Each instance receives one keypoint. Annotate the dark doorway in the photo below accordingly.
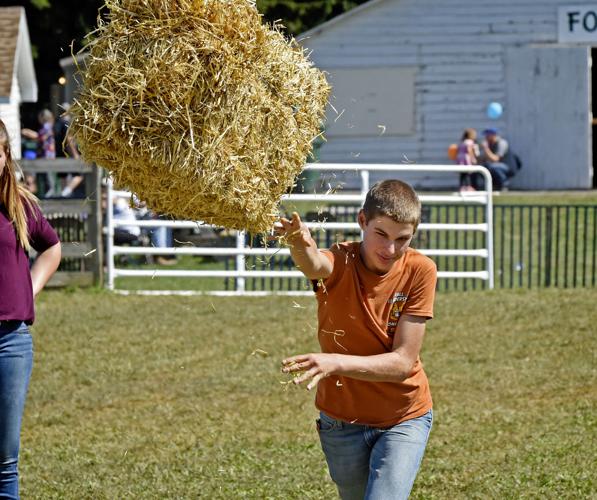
(594, 110)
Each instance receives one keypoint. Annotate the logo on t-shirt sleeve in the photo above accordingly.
(397, 304)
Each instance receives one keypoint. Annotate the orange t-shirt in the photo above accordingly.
(358, 314)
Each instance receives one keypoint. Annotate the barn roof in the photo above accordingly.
(338, 19)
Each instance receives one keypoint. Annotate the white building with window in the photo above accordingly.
(17, 75)
(409, 75)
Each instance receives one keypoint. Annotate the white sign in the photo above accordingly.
(577, 23)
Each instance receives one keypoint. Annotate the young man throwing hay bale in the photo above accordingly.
(374, 298)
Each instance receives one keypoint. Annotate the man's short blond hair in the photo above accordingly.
(394, 199)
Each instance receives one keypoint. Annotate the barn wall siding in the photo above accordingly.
(460, 49)
(10, 114)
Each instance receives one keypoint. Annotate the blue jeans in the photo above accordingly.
(372, 463)
(16, 361)
(161, 237)
(500, 174)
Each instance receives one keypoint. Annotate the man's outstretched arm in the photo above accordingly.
(303, 249)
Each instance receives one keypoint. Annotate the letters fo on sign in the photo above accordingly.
(577, 23)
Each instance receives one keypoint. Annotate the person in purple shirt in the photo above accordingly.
(22, 227)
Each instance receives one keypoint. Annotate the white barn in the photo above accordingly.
(409, 75)
(17, 74)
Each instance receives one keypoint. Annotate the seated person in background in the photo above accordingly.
(125, 235)
(159, 237)
(133, 235)
(497, 158)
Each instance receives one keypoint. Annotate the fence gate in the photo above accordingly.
(78, 222)
(257, 261)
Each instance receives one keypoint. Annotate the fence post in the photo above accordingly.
(489, 233)
(240, 261)
(93, 196)
(548, 243)
(364, 187)
(364, 183)
(110, 232)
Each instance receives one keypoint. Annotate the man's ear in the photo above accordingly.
(362, 220)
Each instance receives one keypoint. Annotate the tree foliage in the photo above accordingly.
(56, 25)
(300, 15)
(41, 4)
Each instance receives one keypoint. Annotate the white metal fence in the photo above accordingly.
(241, 251)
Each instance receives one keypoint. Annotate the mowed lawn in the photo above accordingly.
(170, 397)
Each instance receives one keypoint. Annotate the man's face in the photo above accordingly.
(384, 242)
(490, 138)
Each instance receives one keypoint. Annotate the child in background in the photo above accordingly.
(66, 147)
(46, 146)
(467, 154)
(46, 142)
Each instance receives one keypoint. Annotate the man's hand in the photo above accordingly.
(312, 367)
(294, 231)
(303, 248)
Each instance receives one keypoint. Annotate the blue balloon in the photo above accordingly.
(494, 110)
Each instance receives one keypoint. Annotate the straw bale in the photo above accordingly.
(199, 108)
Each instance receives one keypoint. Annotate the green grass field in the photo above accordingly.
(170, 397)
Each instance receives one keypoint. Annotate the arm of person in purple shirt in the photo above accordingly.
(44, 266)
